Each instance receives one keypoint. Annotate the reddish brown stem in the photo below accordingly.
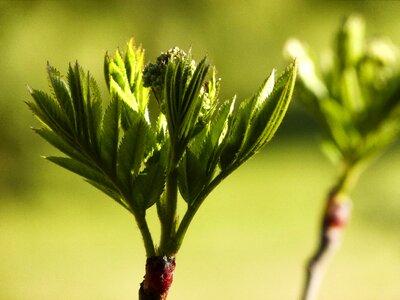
(158, 278)
(336, 216)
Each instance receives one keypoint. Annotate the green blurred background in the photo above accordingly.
(62, 239)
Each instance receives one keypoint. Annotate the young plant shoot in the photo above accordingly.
(354, 93)
(181, 150)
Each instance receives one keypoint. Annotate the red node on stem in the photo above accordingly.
(158, 278)
(337, 214)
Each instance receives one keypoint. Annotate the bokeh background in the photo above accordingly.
(62, 239)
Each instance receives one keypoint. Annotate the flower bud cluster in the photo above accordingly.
(154, 74)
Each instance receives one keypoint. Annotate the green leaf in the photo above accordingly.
(209, 98)
(172, 94)
(128, 115)
(192, 176)
(77, 95)
(389, 100)
(216, 140)
(351, 94)
(357, 98)
(258, 118)
(121, 89)
(350, 41)
(106, 68)
(256, 121)
(134, 148)
(110, 135)
(125, 77)
(61, 93)
(236, 135)
(161, 128)
(74, 124)
(340, 126)
(183, 102)
(308, 73)
(332, 151)
(149, 185)
(50, 113)
(118, 73)
(60, 114)
(199, 163)
(191, 102)
(268, 113)
(134, 64)
(93, 112)
(383, 135)
(65, 146)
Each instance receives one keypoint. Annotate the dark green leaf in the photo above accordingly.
(268, 113)
(61, 93)
(220, 126)
(135, 146)
(236, 135)
(351, 94)
(93, 112)
(77, 94)
(209, 143)
(192, 102)
(172, 95)
(50, 113)
(149, 185)
(63, 145)
(106, 67)
(110, 135)
(340, 126)
(192, 176)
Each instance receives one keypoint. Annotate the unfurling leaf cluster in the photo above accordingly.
(139, 158)
(353, 91)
